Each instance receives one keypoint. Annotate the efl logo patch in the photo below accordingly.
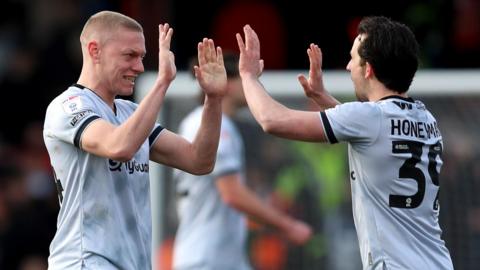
(79, 116)
(72, 104)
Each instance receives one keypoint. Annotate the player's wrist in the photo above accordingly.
(213, 98)
(248, 76)
(162, 83)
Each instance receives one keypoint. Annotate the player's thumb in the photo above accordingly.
(304, 83)
(262, 66)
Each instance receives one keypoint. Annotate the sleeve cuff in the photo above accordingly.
(328, 128)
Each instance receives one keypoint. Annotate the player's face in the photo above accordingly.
(357, 71)
(122, 61)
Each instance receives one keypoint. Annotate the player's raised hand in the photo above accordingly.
(250, 63)
(210, 72)
(313, 86)
(166, 60)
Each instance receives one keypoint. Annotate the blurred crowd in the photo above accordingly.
(40, 55)
(28, 202)
(40, 50)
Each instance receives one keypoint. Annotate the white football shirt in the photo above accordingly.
(395, 149)
(104, 220)
(211, 235)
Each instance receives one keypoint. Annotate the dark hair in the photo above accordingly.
(391, 49)
(230, 60)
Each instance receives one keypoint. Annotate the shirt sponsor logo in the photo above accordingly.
(130, 166)
(79, 116)
(72, 104)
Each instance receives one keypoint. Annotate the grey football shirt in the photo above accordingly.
(395, 149)
(104, 220)
(211, 235)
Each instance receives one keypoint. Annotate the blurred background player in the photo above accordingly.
(212, 230)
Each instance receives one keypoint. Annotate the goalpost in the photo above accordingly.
(452, 95)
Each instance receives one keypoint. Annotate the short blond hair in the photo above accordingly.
(105, 22)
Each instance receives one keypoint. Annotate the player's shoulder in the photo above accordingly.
(362, 105)
(73, 101)
(358, 109)
(69, 91)
(193, 116)
(400, 103)
(397, 105)
(191, 121)
(69, 98)
(120, 102)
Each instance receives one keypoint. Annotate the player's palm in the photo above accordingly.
(210, 72)
(250, 62)
(166, 60)
(313, 86)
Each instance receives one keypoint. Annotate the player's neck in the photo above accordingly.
(97, 88)
(381, 92)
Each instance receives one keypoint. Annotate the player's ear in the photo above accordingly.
(369, 72)
(94, 51)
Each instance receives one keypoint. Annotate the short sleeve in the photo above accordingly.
(68, 116)
(229, 153)
(352, 122)
(157, 128)
(229, 158)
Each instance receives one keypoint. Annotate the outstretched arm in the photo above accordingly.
(198, 157)
(313, 86)
(240, 197)
(122, 142)
(274, 118)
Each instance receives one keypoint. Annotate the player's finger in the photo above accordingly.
(211, 50)
(311, 58)
(252, 41)
(303, 82)
(220, 56)
(241, 44)
(161, 35)
(196, 71)
(168, 38)
(201, 53)
(317, 54)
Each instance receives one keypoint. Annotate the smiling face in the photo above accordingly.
(357, 70)
(121, 61)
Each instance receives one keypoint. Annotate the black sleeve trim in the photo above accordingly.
(78, 136)
(154, 135)
(328, 128)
